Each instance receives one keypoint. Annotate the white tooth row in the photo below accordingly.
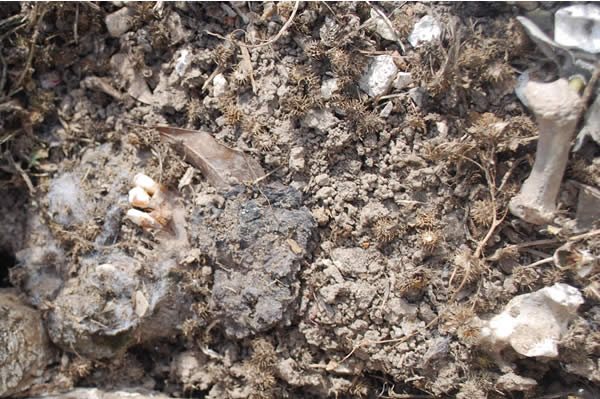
(140, 197)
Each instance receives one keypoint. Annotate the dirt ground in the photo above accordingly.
(361, 262)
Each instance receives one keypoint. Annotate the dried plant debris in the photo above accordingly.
(222, 166)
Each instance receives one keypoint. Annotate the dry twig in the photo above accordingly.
(34, 38)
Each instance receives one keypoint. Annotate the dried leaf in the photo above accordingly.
(246, 65)
(222, 166)
(186, 179)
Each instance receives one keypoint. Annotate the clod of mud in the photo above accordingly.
(258, 246)
(114, 303)
(104, 300)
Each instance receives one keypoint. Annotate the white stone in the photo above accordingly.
(403, 80)
(578, 26)
(328, 87)
(424, 31)
(297, 159)
(141, 304)
(387, 110)
(182, 62)
(378, 77)
(219, 85)
(142, 219)
(442, 127)
(325, 192)
(382, 27)
(532, 324)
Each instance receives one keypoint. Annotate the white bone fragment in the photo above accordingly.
(578, 26)
(557, 108)
(533, 324)
(138, 197)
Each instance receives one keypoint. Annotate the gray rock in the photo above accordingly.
(578, 26)
(319, 119)
(424, 31)
(119, 21)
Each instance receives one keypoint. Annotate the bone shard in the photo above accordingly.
(557, 108)
(532, 324)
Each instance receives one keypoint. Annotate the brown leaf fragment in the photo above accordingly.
(221, 165)
(246, 65)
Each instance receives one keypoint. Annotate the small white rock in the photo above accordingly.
(219, 85)
(182, 62)
(320, 119)
(297, 159)
(424, 31)
(328, 87)
(325, 192)
(322, 179)
(514, 382)
(442, 128)
(387, 110)
(378, 77)
(403, 80)
(383, 28)
(106, 268)
(141, 304)
(578, 26)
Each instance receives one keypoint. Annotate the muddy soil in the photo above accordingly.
(362, 263)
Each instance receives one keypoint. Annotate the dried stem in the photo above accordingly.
(34, 38)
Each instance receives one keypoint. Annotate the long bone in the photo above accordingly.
(557, 108)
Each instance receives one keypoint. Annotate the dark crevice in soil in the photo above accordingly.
(7, 261)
